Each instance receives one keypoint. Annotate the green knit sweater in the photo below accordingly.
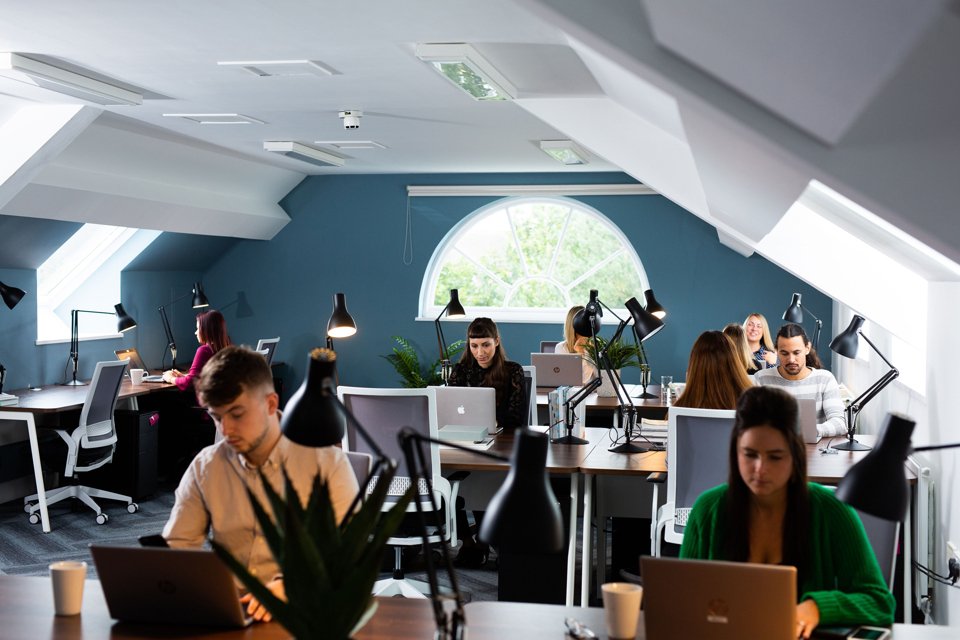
(844, 577)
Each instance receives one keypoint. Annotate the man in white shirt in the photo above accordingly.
(795, 375)
(236, 388)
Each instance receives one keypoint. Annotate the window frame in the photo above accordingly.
(427, 311)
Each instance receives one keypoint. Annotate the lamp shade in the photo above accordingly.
(312, 416)
(11, 295)
(341, 324)
(587, 321)
(199, 297)
(124, 321)
(653, 306)
(454, 308)
(848, 341)
(877, 485)
(645, 324)
(794, 312)
(524, 515)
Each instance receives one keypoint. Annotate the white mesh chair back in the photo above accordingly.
(697, 445)
(383, 413)
(96, 417)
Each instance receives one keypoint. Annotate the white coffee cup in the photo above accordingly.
(136, 375)
(621, 609)
(68, 577)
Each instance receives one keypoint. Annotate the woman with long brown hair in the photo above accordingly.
(484, 364)
(715, 376)
(769, 513)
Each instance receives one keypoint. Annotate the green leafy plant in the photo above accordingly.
(329, 568)
(620, 354)
(406, 361)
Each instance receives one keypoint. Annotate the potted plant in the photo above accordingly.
(619, 354)
(329, 568)
(406, 361)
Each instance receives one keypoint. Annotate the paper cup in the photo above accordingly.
(621, 609)
(68, 578)
(136, 376)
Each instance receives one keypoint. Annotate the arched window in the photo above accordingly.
(531, 259)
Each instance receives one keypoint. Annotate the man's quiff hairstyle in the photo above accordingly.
(231, 371)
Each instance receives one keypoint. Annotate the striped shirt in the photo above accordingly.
(821, 386)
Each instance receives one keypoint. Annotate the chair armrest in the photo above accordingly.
(458, 476)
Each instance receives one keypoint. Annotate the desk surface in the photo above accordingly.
(53, 398)
(561, 458)
(26, 612)
(594, 401)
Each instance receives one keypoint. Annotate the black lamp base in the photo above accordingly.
(75, 383)
(851, 445)
(569, 439)
(646, 396)
(633, 447)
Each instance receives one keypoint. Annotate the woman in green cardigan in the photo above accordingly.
(768, 513)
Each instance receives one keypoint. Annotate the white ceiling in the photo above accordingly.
(729, 109)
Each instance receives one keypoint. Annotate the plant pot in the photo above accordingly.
(606, 389)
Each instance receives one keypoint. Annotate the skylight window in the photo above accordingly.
(84, 273)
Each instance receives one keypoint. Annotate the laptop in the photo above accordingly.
(136, 362)
(557, 369)
(466, 413)
(169, 586)
(713, 600)
(807, 416)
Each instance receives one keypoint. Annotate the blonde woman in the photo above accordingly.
(760, 341)
(735, 332)
(575, 343)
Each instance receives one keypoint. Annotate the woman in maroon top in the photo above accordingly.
(212, 335)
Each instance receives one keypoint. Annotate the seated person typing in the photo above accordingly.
(236, 389)
(768, 513)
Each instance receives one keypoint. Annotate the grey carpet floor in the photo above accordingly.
(26, 550)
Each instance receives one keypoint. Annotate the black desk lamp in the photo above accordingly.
(653, 306)
(794, 313)
(877, 484)
(11, 295)
(124, 324)
(453, 309)
(586, 322)
(846, 344)
(314, 417)
(199, 301)
(341, 323)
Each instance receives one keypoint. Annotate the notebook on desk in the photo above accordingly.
(136, 362)
(557, 369)
(168, 586)
(713, 600)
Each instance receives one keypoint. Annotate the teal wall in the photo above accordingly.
(347, 234)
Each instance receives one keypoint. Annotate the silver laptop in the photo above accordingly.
(136, 362)
(807, 417)
(169, 586)
(467, 410)
(713, 600)
(557, 369)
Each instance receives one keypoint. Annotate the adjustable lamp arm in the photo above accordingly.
(441, 343)
(75, 337)
(171, 343)
(3, 374)
(819, 326)
(877, 386)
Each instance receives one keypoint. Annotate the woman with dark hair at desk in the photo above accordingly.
(212, 335)
(715, 376)
(484, 364)
(769, 513)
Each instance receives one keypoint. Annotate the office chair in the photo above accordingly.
(383, 412)
(695, 437)
(90, 445)
(530, 384)
(270, 346)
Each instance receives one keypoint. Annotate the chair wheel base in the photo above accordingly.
(102, 518)
(133, 507)
(34, 518)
